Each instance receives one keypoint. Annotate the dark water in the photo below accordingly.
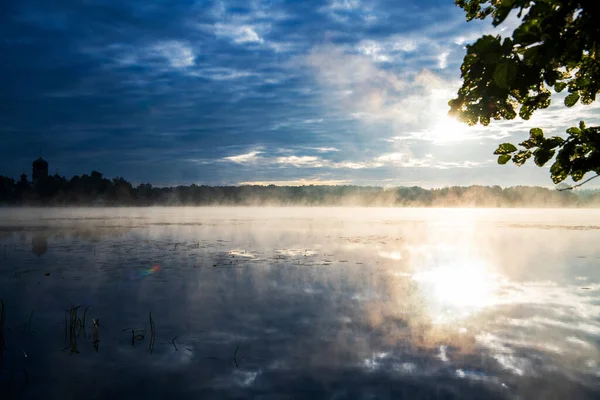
(289, 303)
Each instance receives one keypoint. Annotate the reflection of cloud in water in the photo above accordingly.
(241, 253)
(392, 255)
(305, 326)
(243, 378)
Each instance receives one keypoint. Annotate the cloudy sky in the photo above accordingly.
(230, 92)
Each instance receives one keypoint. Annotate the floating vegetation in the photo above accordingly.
(152, 334)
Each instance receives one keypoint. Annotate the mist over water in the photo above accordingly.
(335, 303)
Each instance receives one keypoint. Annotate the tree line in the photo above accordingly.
(96, 190)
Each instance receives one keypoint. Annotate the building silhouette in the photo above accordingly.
(40, 170)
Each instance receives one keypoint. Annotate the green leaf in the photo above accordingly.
(487, 48)
(560, 86)
(577, 175)
(528, 144)
(503, 159)
(542, 155)
(505, 148)
(522, 156)
(505, 73)
(581, 125)
(553, 142)
(574, 131)
(558, 172)
(536, 134)
(526, 111)
(571, 99)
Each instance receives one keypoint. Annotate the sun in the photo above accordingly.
(448, 130)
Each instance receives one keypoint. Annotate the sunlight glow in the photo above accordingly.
(458, 289)
(448, 130)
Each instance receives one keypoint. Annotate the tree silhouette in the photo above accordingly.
(555, 47)
(95, 190)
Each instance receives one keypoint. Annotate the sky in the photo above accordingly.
(283, 92)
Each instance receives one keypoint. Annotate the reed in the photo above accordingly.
(73, 328)
(95, 336)
(137, 335)
(81, 323)
(152, 334)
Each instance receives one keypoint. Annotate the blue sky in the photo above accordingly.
(230, 92)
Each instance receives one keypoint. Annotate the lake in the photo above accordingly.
(300, 303)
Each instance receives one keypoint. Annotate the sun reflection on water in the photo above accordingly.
(458, 289)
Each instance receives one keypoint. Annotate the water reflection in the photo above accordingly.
(39, 245)
(458, 289)
(309, 306)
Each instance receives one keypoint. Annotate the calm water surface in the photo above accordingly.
(294, 303)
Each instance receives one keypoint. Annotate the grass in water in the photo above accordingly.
(95, 337)
(82, 323)
(152, 334)
(74, 329)
(31, 332)
(137, 335)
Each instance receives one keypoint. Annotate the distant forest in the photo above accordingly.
(95, 190)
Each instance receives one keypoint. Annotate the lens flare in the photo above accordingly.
(154, 269)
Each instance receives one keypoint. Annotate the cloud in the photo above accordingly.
(397, 159)
(177, 53)
(348, 72)
(404, 102)
(324, 149)
(299, 182)
(222, 73)
(240, 34)
(244, 158)
(346, 11)
(302, 161)
(355, 89)
(443, 59)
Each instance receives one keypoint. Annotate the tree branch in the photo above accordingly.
(578, 185)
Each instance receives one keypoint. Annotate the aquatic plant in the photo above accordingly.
(152, 334)
(72, 326)
(82, 323)
(136, 335)
(95, 337)
(29, 323)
